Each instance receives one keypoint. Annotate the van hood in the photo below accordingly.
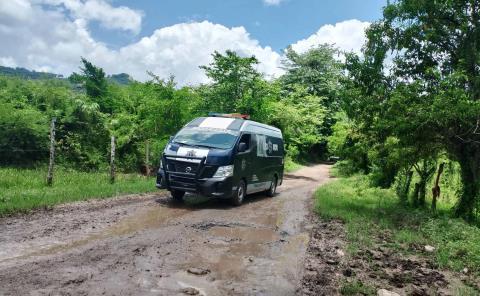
(213, 156)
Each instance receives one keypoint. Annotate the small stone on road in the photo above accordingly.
(384, 292)
(198, 271)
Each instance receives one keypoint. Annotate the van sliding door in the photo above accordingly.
(245, 162)
(262, 164)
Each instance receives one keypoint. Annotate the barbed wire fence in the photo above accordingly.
(53, 151)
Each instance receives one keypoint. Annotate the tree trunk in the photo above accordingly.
(415, 195)
(403, 193)
(408, 183)
(436, 188)
(422, 193)
(470, 174)
(425, 172)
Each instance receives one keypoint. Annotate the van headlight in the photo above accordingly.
(224, 171)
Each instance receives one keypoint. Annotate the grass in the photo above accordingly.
(371, 214)
(356, 288)
(291, 166)
(22, 190)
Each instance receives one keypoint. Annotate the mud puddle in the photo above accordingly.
(144, 219)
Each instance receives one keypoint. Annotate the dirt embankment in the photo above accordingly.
(330, 270)
(150, 245)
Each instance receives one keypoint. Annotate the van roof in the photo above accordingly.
(236, 125)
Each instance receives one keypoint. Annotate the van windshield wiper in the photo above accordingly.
(202, 146)
(195, 145)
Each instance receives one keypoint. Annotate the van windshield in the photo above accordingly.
(206, 137)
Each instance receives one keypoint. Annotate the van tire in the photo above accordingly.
(240, 193)
(177, 195)
(273, 187)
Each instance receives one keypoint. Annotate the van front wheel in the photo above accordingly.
(273, 187)
(239, 195)
(177, 195)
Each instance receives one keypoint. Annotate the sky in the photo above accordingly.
(174, 37)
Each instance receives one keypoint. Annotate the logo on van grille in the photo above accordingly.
(191, 153)
(188, 169)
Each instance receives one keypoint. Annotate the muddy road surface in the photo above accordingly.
(150, 245)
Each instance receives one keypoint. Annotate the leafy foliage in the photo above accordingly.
(312, 84)
(414, 95)
(90, 107)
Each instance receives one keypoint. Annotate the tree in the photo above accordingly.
(431, 95)
(317, 73)
(300, 116)
(234, 82)
(318, 70)
(23, 135)
(96, 85)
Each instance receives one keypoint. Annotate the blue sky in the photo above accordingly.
(275, 25)
(174, 37)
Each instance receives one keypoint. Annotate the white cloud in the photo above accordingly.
(180, 50)
(272, 2)
(53, 38)
(121, 17)
(46, 39)
(347, 35)
(8, 62)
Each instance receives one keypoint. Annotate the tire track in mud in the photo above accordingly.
(147, 244)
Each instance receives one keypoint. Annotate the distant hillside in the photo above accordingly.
(25, 73)
(122, 78)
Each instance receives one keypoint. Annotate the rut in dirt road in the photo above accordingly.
(149, 245)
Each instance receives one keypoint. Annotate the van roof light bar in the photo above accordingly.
(229, 115)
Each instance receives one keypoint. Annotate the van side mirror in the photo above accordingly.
(242, 147)
(170, 139)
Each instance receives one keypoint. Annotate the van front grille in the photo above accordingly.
(176, 166)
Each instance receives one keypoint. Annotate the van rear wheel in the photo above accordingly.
(177, 195)
(273, 187)
(239, 195)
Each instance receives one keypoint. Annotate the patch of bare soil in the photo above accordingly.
(330, 270)
(324, 259)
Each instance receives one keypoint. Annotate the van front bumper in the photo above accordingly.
(210, 187)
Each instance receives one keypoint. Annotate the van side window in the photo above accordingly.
(246, 139)
(261, 146)
(275, 146)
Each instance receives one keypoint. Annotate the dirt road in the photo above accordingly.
(150, 245)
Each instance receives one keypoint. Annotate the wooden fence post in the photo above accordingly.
(112, 160)
(52, 153)
(147, 157)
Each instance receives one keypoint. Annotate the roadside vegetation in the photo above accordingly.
(90, 108)
(373, 216)
(408, 136)
(291, 166)
(411, 105)
(25, 189)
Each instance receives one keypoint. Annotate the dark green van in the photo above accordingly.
(223, 156)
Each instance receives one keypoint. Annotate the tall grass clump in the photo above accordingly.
(22, 190)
